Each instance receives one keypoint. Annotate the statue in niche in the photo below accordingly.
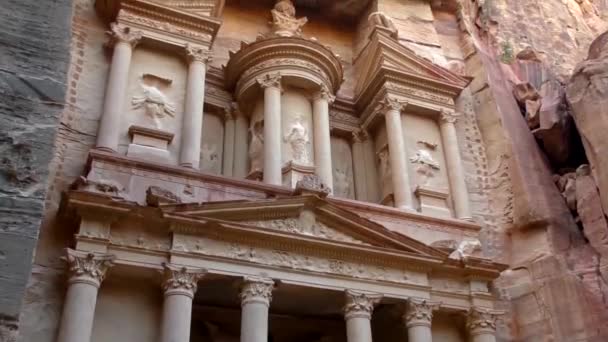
(256, 146)
(298, 140)
(385, 171)
(428, 166)
(155, 103)
(210, 158)
(284, 22)
(384, 21)
(341, 183)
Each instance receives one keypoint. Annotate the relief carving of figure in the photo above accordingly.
(284, 22)
(256, 146)
(210, 158)
(382, 20)
(385, 170)
(427, 164)
(155, 103)
(298, 140)
(341, 183)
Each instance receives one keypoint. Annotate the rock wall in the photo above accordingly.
(34, 59)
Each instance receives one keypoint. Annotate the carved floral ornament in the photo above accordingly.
(481, 320)
(419, 312)
(197, 54)
(447, 116)
(123, 34)
(180, 279)
(360, 135)
(269, 80)
(360, 304)
(325, 94)
(87, 267)
(255, 289)
(392, 103)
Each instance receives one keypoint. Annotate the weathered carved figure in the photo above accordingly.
(465, 249)
(256, 146)
(298, 140)
(341, 183)
(384, 21)
(155, 103)
(384, 166)
(427, 165)
(284, 22)
(210, 158)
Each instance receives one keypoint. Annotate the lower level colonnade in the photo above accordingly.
(87, 271)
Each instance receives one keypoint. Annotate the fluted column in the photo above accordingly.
(192, 124)
(124, 40)
(359, 166)
(272, 128)
(240, 144)
(322, 141)
(179, 287)
(391, 108)
(458, 186)
(358, 314)
(86, 272)
(229, 128)
(256, 295)
(481, 324)
(417, 319)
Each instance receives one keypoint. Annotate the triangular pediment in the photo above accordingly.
(385, 54)
(303, 217)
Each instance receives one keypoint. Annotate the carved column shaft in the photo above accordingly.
(192, 126)
(179, 286)
(86, 272)
(272, 128)
(359, 166)
(418, 318)
(229, 129)
(241, 125)
(458, 186)
(256, 295)
(358, 314)
(322, 140)
(397, 154)
(481, 324)
(123, 39)
(371, 171)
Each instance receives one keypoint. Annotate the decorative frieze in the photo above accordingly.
(419, 312)
(255, 289)
(360, 304)
(181, 280)
(87, 267)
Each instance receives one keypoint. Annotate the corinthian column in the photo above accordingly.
(240, 143)
(192, 126)
(358, 314)
(458, 186)
(179, 287)
(124, 40)
(256, 295)
(391, 108)
(417, 318)
(272, 128)
(86, 272)
(481, 324)
(322, 141)
(229, 128)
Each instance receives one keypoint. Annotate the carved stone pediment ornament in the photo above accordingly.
(360, 304)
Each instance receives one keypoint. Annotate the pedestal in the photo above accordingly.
(149, 144)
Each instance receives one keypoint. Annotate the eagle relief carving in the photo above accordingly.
(153, 100)
(427, 165)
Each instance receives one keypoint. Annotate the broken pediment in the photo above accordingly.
(384, 60)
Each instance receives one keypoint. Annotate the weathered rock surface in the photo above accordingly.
(34, 60)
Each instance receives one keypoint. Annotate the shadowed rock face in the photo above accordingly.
(587, 93)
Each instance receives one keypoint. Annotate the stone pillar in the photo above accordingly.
(272, 128)
(358, 314)
(86, 272)
(371, 170)
(481, 324)
(241, 126)
(124, 40)
(192, 124)
(179, 287)
(322, 141)
(391, 108)
(229, 131)
(256, 295)
(417, 319)
(458, 186)
(359, 166)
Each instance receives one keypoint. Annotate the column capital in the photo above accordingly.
(392, 103)
(268, 81)
(482, 320)
(87, 267)
(325, 94)
(447, 116)
(360, 135)
(256, 289)
(419, 312)
(360, 304)
(180, 280)
(123, 34)
(197, 54)
(231, 112)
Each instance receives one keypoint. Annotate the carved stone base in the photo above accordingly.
(149, 144)
(292, 173)
(433, 202)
